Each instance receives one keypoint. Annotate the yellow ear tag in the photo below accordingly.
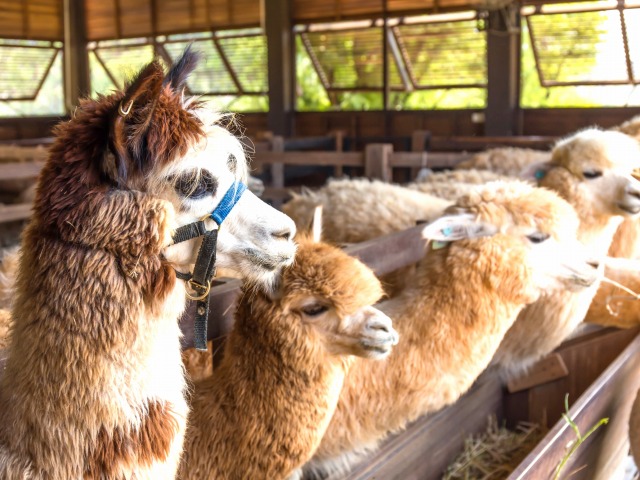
(438, 244)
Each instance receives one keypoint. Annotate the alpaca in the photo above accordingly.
(8, 268)
(508, 161)
(266, 407)
(592, 171)
(451, 184)
(360, 209)
(612, 306)
(93, 385)
(501, 247)
(634, 429)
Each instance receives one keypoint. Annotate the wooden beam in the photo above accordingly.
(503, 72)
(281, 62)
(77, 83)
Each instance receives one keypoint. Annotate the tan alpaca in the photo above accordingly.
(507, 244)
(613, 306)
(451, 184)
(592, 171)
(93, 386)
(634, 429)
(509, 161)
(266, 407)
(360, 209)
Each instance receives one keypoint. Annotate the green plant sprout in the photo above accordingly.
(580, 439)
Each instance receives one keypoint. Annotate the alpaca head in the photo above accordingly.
(593, 171)
(325, 299)
(153, 138)
(520, 238)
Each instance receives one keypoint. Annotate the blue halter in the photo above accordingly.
(200, 280)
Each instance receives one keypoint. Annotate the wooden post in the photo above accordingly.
(503, 72)
(419, 144)
(377, 161)
(77, 82)
(339, 136)
(281, 64)
(277, 169)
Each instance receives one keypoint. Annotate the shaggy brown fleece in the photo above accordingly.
(95, 299)
(264, 410)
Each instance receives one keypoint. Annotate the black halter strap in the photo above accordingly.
(205, 269)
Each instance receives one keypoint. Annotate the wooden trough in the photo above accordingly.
(599, 369)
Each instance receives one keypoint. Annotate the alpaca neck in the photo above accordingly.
(597, 232)
(449, 326)
(271, 399)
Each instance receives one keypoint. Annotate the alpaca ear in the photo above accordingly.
(535, 171)
(457, 227)
(131, 121)
(182, 68)
(316, 225)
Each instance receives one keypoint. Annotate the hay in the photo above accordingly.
(494, 454)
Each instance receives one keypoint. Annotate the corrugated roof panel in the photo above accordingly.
(349, 59)
(579, 47)
(242, 53)
(451, 53)
(18, 82)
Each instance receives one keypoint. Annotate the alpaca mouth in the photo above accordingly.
(630, 209)
(271, 263)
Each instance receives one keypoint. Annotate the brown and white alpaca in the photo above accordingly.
(263, 412)
(592, 171)
(93, 385)
(507, 244)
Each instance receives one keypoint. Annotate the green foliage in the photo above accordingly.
(580, 439)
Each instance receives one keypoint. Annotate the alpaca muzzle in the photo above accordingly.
(199, 282)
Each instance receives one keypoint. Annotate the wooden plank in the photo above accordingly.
(427, 159)
(347, 159)
(609, 396)
(13, 213)
(425, 449)
(19, 171)
(377, 161)
(390, 252)
(550, 368)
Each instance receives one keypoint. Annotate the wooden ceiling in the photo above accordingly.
(31, 19)
(113, 19)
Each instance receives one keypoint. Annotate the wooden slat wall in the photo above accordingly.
(31, 19)
(138, 18)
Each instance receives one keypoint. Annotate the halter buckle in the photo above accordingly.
(196, 287)
(123, 112)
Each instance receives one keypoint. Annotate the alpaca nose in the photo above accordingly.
(285, 234)
(593, 263)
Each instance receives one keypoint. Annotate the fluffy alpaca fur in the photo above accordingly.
(9, 258)
(592, 171)
(626, 241)
(509, 161)
(266, 407)
(467, 294)
(634, 429)
(612, 306)
(360, 209)
(452, 184)
(630, 127)
(5, 326)
(93, 385)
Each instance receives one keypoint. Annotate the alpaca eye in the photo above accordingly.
(194, 186)
(590, 174)
(232, 163)
(314, 310)
(538, 237)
